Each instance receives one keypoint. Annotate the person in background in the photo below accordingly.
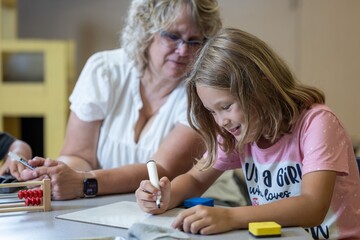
(295, 154)
(21, 148)
(129, 104)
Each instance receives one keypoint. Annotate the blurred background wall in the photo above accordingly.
(319, 39)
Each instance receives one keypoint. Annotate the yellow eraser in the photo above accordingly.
(265, 229)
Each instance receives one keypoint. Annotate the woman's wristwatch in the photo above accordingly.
(90, 185)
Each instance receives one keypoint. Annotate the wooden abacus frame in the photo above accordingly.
(45, 205)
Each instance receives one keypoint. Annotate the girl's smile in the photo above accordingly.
(235, 131)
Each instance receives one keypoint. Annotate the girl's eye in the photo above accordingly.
(226, 107)
(211, 112)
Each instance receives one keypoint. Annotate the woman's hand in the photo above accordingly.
(203, 220)
(66, 183)
(31, 175)
(146, 196)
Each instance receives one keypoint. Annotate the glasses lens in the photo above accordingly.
(172, 40)
(169, 39)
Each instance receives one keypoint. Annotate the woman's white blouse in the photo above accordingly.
(108, 89)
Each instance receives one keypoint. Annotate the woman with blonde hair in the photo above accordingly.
(129, 104)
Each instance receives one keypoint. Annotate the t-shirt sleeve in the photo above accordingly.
(325, 144)
(226, 161)
(5, 142)
(90, 97)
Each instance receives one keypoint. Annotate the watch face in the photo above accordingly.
(90, 187)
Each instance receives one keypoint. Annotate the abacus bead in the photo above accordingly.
(27, 201)
(26, 193)
(20, 194)
(35, 193)
(30, 193)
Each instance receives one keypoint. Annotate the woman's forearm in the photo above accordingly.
(75, 163)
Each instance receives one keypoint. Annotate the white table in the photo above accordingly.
(44, 225)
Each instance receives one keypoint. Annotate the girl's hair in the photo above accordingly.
(260, 81)
(147, 17)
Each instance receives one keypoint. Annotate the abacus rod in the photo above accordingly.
(21, 184)
(10, 205)
(20, 209)
(8, 195)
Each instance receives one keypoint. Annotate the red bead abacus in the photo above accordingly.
(37, 193)
(35, 199)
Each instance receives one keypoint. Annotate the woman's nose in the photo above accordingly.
(183, 49)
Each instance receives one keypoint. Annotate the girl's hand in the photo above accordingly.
(146, 196)
(204, 220)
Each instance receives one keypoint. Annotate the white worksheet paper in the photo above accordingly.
(121, 214)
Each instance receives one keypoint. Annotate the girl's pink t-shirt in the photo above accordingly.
(318, 142)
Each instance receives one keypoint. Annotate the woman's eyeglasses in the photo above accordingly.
(172, 40)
